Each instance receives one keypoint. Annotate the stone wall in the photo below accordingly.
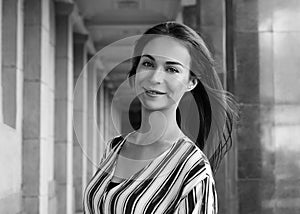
(261, 172)
(11, 111)
(267, 84)
(45, 168)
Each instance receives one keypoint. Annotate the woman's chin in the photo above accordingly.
(153, 107)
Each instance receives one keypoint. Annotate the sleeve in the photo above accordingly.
(110, 145)
(199, 194)
(201, 199)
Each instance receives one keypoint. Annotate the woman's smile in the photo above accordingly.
(163, 73)
(154, 92)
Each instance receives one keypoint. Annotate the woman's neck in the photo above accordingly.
(158, 126)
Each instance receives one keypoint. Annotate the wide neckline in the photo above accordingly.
(139, 173)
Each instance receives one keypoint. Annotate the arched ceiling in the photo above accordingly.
(111, 20)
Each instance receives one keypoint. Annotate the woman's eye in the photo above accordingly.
(147, 64)
(172, 70)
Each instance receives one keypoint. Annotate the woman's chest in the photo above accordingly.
(126, 167)
(130, 161)
(154, 195)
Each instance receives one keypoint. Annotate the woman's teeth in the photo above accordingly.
(154, 92)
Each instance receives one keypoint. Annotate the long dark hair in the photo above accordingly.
(216, 107)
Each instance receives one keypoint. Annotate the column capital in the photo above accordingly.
(80, 38)
(63, 7)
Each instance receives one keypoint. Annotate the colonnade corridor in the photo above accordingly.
(64, 94)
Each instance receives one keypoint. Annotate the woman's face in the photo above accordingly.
(163, 75)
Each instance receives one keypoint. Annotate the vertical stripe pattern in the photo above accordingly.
(179, 181)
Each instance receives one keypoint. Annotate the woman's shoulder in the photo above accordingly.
(113, 142)
(197, 161)
(197, 168)
(197, 152)
(111, 145)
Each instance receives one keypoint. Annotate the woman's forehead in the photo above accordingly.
(167, 48)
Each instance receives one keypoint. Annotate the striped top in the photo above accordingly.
(179, 181)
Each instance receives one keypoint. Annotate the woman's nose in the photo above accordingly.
(157, 75)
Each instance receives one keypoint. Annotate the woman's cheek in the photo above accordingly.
(139, 78)
(177, 89)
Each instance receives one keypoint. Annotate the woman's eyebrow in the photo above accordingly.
(174, 63)
(168, 62)
(148, 56)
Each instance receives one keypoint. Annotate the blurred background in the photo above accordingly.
(50, 46)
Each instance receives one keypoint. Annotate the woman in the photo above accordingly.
(157, 168)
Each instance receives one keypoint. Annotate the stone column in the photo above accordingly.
(253, 112)
(100, 111)
(214, 26)
(106, 113)
(12, 34)
(109, 114)
(99, 137)
(267, 41)
(230, 166)
(80, 118)
(116, 117)
(92, 118)
(208, 18)
(64, 108)
(38, 104)
(1, 93)
(281, 147)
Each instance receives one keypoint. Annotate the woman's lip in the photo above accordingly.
(157, 91)
(153, 94)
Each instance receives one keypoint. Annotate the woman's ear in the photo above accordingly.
(192, 84)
